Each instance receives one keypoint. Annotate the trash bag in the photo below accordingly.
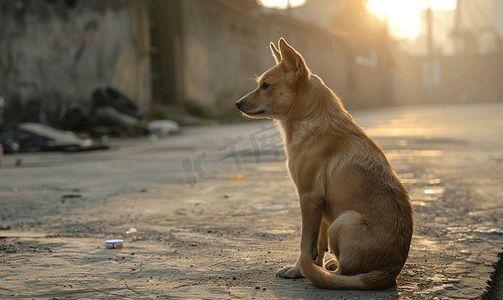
(29, 136)
(109, 116)
(163, 128)
(108, 96)
(14, 139)
(30, 132)
(76, 119)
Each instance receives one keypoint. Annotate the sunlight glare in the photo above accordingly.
(404, 17)
(281, 4)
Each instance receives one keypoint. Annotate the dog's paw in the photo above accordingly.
(291, 272)
(332, 264)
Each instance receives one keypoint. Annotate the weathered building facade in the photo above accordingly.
(210, 49)
(192, 53)
(59, 51)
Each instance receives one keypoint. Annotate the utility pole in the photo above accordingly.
(430, 65)
(458, 43)
(457, 23)
(429, 28)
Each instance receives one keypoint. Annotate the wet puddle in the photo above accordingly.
(434, 191)
(421, 196)
(492, 231)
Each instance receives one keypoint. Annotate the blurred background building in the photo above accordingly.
(203, 53)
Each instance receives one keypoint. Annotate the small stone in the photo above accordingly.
(257, 288)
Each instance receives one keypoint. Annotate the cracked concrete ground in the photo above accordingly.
(211, 225)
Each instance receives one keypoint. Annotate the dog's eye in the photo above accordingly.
(264, 86)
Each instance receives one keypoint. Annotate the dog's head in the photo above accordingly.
(278, 87)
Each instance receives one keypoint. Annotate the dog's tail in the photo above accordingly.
(323, 279)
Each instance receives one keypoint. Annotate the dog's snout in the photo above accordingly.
(238, 104)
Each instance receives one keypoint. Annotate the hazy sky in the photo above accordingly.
(404, 16)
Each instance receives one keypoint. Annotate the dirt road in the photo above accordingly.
(212, 225)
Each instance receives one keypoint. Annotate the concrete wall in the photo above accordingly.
(59, 51)
(220, 54)
(461, 79)
(167, 51)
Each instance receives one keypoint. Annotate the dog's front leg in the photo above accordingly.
(311, 221)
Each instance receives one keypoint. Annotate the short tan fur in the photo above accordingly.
(350, 197)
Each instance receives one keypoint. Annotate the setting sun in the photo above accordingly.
(404, 17)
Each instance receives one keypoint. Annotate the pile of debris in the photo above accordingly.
(111, 114)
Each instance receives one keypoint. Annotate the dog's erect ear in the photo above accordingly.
(292, 60)
(275, 53)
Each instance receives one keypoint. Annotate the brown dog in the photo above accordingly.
(350, 198)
